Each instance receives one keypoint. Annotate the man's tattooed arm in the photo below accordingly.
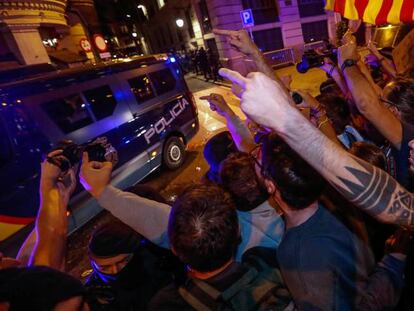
(377, 193)
(368, 187)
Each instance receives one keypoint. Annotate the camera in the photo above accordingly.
(99, 150)
(312, 59)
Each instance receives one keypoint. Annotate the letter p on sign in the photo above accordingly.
(247, 18)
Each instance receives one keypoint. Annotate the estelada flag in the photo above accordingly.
(376, 12)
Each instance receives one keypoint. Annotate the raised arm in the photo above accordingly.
(367, 100)
(51, 223)
(147, 217)
(238, 129)
(335, 74)
(240, 40)
(386, 64)
(368, 187)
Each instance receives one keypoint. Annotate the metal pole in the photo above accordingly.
(251, 33)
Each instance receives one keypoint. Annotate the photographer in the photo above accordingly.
(56, 188)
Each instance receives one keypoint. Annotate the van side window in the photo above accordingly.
(5, 152)
(163, 81)
(141, 87)
(69, 113)
(101, 100)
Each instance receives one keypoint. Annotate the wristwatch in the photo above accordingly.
(348, 63)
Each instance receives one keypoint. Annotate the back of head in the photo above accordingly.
(337, 110)
(218, 148)
(401, 94)
(37, 288)
(329, 87)
(112, 239)
(370, 153)
(298, 183)
(203, 227)
(238, 176)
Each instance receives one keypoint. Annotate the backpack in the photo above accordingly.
(260, 288)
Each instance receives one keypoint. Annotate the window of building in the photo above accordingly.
(311, 7)
(101, 100)
(269, 39)
(205, 17)
(69, 113)
(141, 87)
(163, 81)
(315, 31)
(264, 11)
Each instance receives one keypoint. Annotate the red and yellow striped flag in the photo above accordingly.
(375, 12)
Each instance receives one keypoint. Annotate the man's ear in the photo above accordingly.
(270, 186)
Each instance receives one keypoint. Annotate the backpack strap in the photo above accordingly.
(204, 297)
(193, 301)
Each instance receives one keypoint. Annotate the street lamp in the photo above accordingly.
(179, 22)
(134, 34)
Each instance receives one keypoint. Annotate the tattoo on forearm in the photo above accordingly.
(378, 194)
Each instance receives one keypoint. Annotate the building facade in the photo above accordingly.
(41, 31)
(278, 24)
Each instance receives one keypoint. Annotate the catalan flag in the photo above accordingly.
(376, 12)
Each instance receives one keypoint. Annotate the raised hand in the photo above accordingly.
(239, 40)
(263, 100)
(218, 104)
(95, 176)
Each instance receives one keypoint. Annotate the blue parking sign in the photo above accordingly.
(247, 18)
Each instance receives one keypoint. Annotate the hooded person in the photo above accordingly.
(125, 273)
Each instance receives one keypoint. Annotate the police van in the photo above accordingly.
(142, 106)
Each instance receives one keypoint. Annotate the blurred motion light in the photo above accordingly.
(134, 34)
(172, 59)
(180, 22)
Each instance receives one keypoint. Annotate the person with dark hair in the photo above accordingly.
(369, 153)
(150, 218)
(125, 274)
(338, 112)
(238, 176)
(335, 279)
(324, 264)
(217, 149)
(40, 288)
(204, 233)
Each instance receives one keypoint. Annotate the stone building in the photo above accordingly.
(38, 31)
(279, 24)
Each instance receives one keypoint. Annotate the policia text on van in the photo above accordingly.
(143, 107)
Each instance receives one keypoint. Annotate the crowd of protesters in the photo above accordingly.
(201, 62)
(305, 206)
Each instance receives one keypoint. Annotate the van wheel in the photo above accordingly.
(174, 153)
